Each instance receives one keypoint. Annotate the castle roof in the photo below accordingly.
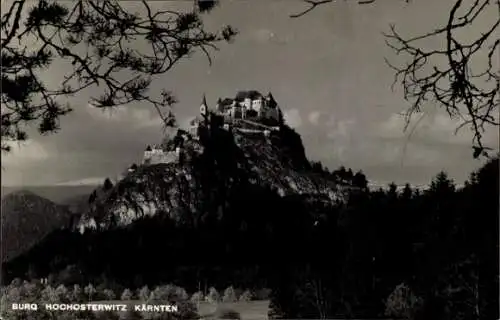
(148, 148)
(226, 101)
(252, 94)
(272, 101)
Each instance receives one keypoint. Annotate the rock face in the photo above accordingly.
(26, 219)
(218, 164)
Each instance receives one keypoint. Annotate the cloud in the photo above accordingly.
(392, 127)
(269, 36)
(25, 152)
(314, 117)
(91, 181)
(413, 154)
(332, 121)
(184, 122)
(263, 35)
(138, 117)
(112, 115)
(293, 118)
(435, 128)
(341, 128)
(343, 135)
(358, 143)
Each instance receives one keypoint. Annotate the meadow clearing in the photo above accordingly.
(248, 310)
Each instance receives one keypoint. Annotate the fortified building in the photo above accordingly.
(247, 112)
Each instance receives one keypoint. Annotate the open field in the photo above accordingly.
(252, 310)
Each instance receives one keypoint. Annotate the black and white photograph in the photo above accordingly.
(250, 159)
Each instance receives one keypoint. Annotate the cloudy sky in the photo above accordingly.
(326, 70)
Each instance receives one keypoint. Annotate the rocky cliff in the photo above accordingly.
(211, 170)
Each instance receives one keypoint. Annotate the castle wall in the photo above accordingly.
(257, 105)
(166, 157)
(237, 113)
(272, 114)
(156, 157)
(193, 130)
(247, 103)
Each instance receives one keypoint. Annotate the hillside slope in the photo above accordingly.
(26, 219)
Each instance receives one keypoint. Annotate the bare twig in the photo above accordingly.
(312, 5)
(315, 3)
(471, 98)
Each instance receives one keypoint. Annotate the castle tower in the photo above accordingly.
(236, 111)
(247, 103)
(270, 100)
(259, 106)
(219, 107)
(203, 106)
(148, 154)
(204, 109)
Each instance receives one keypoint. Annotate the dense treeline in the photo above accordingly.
(436, 248)
(442, 243)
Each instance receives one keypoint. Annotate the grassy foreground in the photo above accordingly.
(252, 310)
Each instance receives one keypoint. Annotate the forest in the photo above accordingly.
(436, 249)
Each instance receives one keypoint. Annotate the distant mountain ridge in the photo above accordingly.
(58, 194)
(26, 219)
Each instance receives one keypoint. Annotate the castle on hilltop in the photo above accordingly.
(249, 105)
(247, 112)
